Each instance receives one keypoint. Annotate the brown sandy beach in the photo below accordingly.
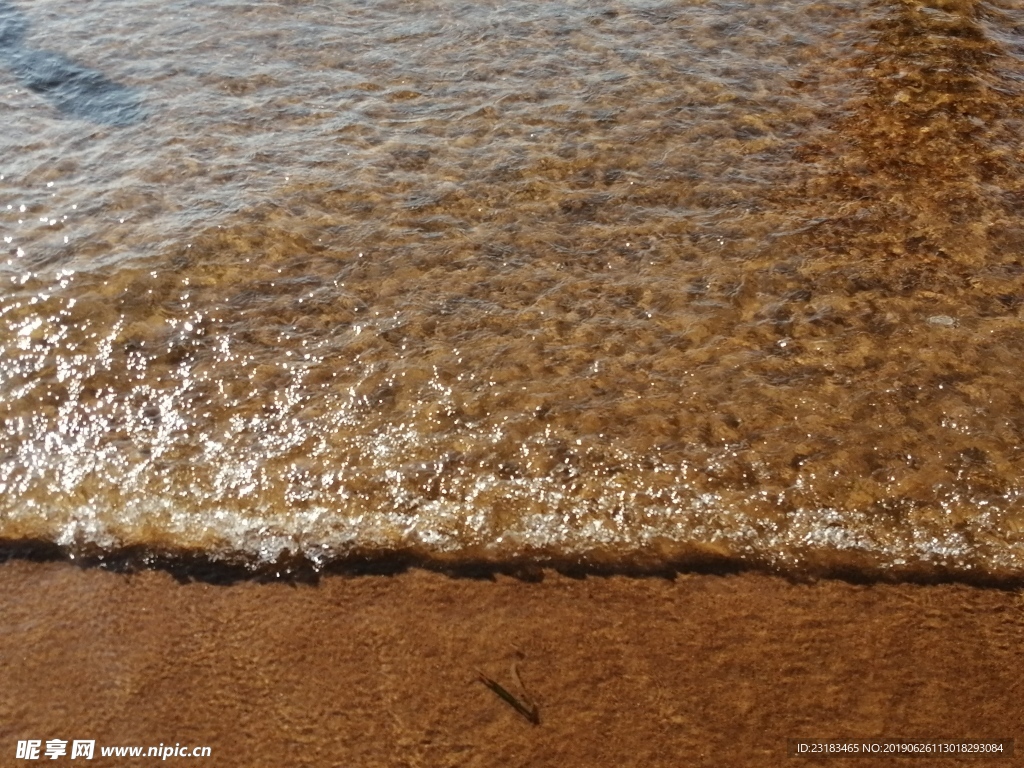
(381, 670)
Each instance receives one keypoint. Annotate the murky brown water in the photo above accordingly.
(619, 282)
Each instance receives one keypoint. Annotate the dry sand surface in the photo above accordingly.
(382, 670)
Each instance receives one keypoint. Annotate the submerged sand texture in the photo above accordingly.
(614, 282)
(380, 670)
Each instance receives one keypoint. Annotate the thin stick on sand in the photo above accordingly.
(525, 707)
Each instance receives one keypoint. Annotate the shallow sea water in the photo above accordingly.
(611, 283)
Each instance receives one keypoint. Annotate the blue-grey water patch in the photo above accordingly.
(74, 89)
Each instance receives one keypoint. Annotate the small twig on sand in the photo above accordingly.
(524, 707)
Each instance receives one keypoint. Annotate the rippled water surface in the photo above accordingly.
(616, 282)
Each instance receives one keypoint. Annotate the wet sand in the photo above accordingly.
(381, 670)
